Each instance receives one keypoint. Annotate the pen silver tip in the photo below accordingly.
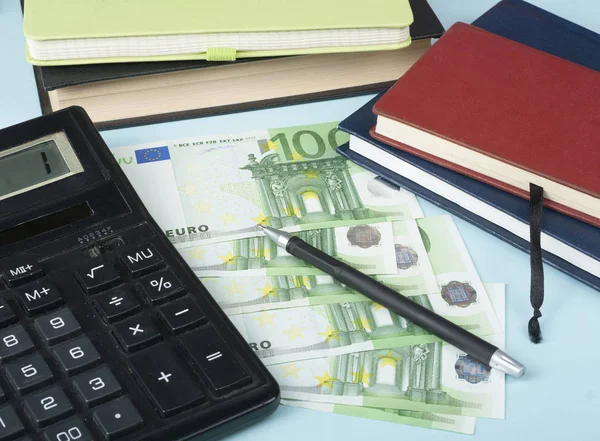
(505, 363)
(281, 238)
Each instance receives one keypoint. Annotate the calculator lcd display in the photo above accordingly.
(36, 164)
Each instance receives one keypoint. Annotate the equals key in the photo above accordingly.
(219, 363)
(181, 315)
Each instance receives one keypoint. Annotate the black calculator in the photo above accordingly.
(105, 332)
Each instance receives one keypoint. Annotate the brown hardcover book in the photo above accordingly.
(503, 113)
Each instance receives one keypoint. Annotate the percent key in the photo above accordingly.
(161, 286)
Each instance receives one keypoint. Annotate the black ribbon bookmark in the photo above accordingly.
(536, 203)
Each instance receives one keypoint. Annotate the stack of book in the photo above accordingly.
(186, 59)
(492, 107)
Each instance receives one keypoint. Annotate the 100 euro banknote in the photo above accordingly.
(427, 420)
(461, 291)
(368, 248)
(218, 188)
(282, 335)
(429, 377)
(460, 298)
(238, 295)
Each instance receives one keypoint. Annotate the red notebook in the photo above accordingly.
(502, 113)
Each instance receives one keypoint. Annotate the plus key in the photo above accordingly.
(165, 380)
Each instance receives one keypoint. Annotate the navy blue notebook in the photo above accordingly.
(540, 29)
(576, 235)
(527, 24)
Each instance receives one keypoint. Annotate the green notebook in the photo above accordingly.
(61, 32)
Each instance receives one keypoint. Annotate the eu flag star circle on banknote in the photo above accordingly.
(152, 154)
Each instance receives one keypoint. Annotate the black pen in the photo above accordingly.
(390, 299)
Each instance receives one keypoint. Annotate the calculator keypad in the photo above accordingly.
(177, 359)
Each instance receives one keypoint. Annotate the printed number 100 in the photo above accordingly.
(297, 143)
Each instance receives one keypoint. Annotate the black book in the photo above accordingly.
(125, 94)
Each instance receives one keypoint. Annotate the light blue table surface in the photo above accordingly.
(558, 398)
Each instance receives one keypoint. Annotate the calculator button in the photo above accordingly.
(214, 358)
(117, 418)
(181, 314)
(141, 260)
(45, 407)
(165, 380)
(161, 286)
(136, 333)
(97, 277)
(76, 355)
(21, 270)
(72, 429)
(14, 341)
(57, 326)
(28, 373)
(7, 315)
(10, 424)
(39, 297)
(96, 386)
(117, 304)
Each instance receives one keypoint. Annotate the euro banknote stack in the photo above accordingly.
(330, 348)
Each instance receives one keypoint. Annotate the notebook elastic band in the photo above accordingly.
(220, 54)
(536, 204)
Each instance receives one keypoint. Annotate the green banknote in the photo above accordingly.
(427, 420)
(429, 377)
(461, 299)
(238, 295)
(282, 335)
(243, 295)
(366, 247)
(217, 188)
(414, 273)
(461, 292)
